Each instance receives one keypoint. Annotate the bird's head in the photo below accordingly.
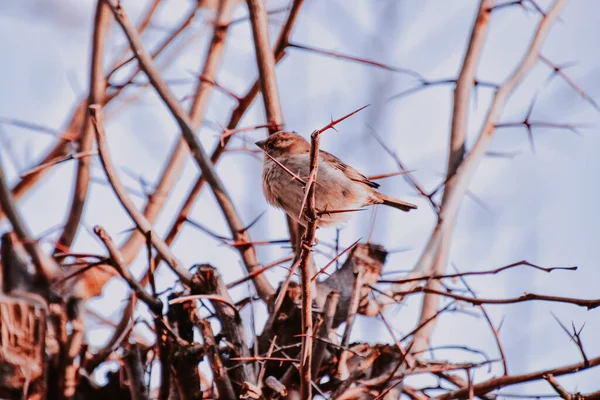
(282, 144)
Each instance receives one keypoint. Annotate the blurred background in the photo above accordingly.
(538, 206)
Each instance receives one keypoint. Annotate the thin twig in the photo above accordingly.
(86, 138)
(137, 217)
(503, 381)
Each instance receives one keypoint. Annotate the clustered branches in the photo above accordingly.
(306, 347)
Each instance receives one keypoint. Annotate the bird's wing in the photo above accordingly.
(350, 172)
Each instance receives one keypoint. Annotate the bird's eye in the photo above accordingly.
(270, 146)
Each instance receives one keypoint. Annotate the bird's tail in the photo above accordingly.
(392, 202)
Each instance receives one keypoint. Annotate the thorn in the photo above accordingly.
(337, 121)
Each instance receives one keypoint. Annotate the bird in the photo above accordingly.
(338, 185)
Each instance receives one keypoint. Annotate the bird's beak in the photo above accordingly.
(260, 143)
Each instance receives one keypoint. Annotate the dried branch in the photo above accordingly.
(86, 138)
(478, 273)
(358, 272)
(266, 61)
(182, 319)
(235, 118)
(135, 371)
(263, 287)
(174, 165)
(137, 217)
(329, 310)
(590, 304)
(221, 378)
(75, 127)
(458, 135)
(153, 303)
(559, 389)
(46, 268)
(266, 64)
(503, 381)
(207, 281)
(434, 257)
(303, 264)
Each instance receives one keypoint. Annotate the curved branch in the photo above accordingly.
(138, 218)
(86, 139)
(435, 255)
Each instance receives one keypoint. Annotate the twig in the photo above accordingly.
(58, 160)
(359, 60)
(588, 303)
(329, 309)
(174, 165)
(46, 268)
(86, 137)
(221, 378)
(235, 118)
(492, 327)
(575, 337)
(503, 381)
(266, 64)
(138, 218)
(322, 270)
(211, 297)
(116, 261)
(135, 373)
(258, 271)
(263, 287)
(119, 334)
(559, 389)
(407, 174)
(559, 71)
(476, 273)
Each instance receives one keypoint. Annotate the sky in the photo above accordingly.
(538, 207)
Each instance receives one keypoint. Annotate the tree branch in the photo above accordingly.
(86, 138)
(263, 287)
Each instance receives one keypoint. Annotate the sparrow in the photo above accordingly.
(338, 186)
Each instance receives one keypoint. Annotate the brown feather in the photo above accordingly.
(350, 172)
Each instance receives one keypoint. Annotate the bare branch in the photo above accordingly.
(503, 381)
(138, 218)
(248, 254)
(86, 138)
